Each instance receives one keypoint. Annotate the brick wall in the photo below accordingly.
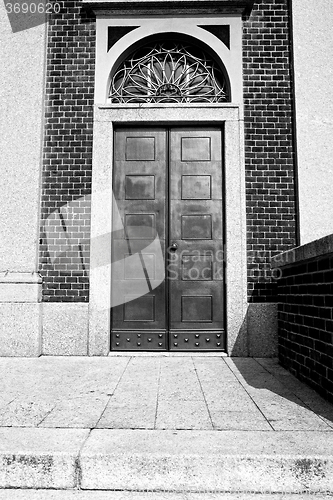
(67, 160)
(269, 155)
(64, 250)
(305, 321)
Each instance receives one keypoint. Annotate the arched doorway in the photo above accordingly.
(170, 121)
(167, 278)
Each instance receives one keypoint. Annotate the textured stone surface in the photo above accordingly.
(186, 414)
(20, 287)
(129, 414)
(236, 263)
(82, 411)
(181, 460)
(39, 458)
(65, 329)
(177, 461)
(312, 24)
(318, 248)
(56, 392)
(238, 420)
(226, 448)
(22, 83)
(262, 329)
(20, 329)
(158, 392)
(134, 495)
(19, 292)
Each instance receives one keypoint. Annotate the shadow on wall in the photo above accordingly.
(258, 336)
(293, 396)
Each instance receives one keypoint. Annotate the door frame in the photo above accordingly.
(170, 330)
(229, 118)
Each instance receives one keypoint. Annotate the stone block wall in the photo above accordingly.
(305, 313)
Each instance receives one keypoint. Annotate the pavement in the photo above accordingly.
(154, 427)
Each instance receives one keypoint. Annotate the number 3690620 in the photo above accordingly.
(32, 8)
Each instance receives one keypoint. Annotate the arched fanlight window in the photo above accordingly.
(168, 71)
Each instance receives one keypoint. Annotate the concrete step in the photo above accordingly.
(134, 495)
(200, 462)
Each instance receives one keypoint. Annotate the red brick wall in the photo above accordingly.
(305, 322)
(269, 154)
(64, 250)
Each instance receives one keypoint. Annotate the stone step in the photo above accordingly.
(201, 462)
(135, 495)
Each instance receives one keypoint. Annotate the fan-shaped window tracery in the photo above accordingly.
(167, 72)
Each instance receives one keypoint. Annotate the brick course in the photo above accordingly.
(67, 162)
(305, 322)
(269, 154)
(67, 159)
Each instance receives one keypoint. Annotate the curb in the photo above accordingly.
(168, 461)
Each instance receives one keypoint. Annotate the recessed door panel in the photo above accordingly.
(139, 148)
(140, 187)
(195, 148)
(139, 309)
(196, 187)
(167, 272)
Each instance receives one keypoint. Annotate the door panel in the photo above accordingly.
(196, 266)
(138, 284)
(168, 183)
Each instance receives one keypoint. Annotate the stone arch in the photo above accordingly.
(228, 58)
(190, 61)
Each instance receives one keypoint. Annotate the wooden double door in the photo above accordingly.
(167, 240)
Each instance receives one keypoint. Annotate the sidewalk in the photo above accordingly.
(162, 423)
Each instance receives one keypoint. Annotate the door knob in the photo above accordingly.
(173, 246)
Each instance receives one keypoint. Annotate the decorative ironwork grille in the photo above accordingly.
(168, 72)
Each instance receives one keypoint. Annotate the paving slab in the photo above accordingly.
(126, 392)
(40, 458)
(208, 461)
(189, 414)
(81, 412)
(230, 402)
(24, 411)
(129, 414)
(239, 420)
(51, 391)
(179, 380)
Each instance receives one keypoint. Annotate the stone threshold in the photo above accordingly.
(164, 354)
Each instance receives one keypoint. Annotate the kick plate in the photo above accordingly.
(181, 340)
(139, 341)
